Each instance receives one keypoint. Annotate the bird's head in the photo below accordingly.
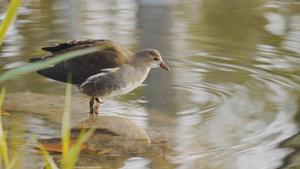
(152, 59)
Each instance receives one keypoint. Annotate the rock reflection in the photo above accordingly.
(115, 140)
(292, 159)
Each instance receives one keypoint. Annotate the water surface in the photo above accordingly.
(233, 89)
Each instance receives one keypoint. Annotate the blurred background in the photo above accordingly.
(233, 90)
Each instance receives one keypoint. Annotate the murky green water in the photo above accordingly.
(234, 84)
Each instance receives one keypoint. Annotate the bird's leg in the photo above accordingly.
(98, 102)
(92, 105)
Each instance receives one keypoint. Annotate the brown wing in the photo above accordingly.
(87, 65)
(60, 47)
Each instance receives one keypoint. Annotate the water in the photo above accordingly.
(233, 90)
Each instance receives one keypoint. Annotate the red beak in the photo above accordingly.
(164, 66)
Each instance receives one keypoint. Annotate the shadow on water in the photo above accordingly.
(292, 143)
(292, 159)
(230, 101)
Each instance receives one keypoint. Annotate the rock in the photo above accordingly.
(52, 106)
(114, 126)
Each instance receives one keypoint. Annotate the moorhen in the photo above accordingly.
(109, 72)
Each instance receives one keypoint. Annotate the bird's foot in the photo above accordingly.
(94, 111)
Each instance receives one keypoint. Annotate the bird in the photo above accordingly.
(109, 72)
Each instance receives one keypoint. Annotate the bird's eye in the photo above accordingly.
(156, 59)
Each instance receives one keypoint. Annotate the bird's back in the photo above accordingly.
(84, 66)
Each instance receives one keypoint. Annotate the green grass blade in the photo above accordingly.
(3, 143)
(65, 127)
(11, 15)
(47, 157)
(22, 70)
(69, 157)
(74, 152)
(2, 94)
(20, 152)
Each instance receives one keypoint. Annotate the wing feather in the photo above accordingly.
(84, 66)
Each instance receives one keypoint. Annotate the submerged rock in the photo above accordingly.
(115, 138)
(49, 105)
(114, 126)
(119, 135)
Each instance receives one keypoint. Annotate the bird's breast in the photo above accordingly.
(118, 82)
